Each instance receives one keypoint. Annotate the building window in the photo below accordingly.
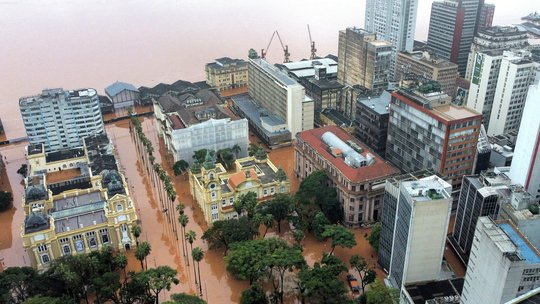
(93, 242)
(79, 245)
(104, 236)
(351, 208)
(231, 200)
(282, 189)
(45, 259)
(351, 217)
(42, 248)
(119, 207)
(273, 190)
(215, 217)
(223, 202)
(66, 249)
(265, 191)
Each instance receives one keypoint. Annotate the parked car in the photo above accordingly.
(353, 283)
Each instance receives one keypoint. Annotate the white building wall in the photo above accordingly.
(295, 98)
(525, 169)
(308, 114)
(212, 134)
(427, 238)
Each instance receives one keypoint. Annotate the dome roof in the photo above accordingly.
(110, 175)
(35, 193)
(35, 222)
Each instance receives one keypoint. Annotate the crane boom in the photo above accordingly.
(286, 53)
(312, 44)
(264, 51)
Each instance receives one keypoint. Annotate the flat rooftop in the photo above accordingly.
(255, 114)
(526, 249)
(337, 117)
(379, 169)
(379, 104)
(425, 291)
(306, 68)
(427, 189)
(453, 112)
(274, 72)
(76, 201)
(431, 60)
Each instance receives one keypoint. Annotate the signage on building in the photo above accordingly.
(477, 71)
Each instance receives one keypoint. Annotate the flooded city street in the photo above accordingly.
(157, 219)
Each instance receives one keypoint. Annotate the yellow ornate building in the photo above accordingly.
(216, 190)
(226, 73)
(75, 201)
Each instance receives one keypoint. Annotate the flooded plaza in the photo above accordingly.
(158, 219)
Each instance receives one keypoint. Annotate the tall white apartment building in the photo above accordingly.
(420, 211)
(280, 95)
(393, 21)
(499, 85)
(60, 119)
(525, 168)
(503, 264)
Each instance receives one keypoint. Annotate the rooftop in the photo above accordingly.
(531, 297)
(63, 175)
(431, 60)
(526, 250)
(273, 71)
(502, 31)
(225, 62)
(64, 154)
(118, 87)
(306, 68)
(449, 290)
(194, 107)
(337, 117)
(100, 153)
(378, 169)
(176, 88)
(380, 104)
(428, 188)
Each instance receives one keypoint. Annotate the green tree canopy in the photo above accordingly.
(367, 275)
(319, 285)
(142, 251)
(223, 234)
(254, 295)
(378, 293)
(6, 200)
(340, 236)
(319, 224)
(182, 298)
(279, 207)
(314, 191)
(160, 278)
(180, 167)
(374, 236)
(246, 202)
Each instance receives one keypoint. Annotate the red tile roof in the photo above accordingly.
(240, 177)
(176, 122)
(379, 169)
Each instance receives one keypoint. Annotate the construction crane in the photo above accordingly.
(312, 43)
(264, 51)
(285, 48)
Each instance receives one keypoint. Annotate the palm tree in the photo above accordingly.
(136, 231)
(121, 262)
(142, 251)
(191, 236)
(183, 219)
(180, 208)
(198, 255)
(236, 149)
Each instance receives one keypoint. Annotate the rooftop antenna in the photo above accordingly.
(312, 43)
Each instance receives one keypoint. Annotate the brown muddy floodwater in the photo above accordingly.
(159, 227)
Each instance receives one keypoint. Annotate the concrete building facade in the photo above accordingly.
(495, 38)
(357, 175)
(280, 95)
(371, 121)
(418, 239)
(502, 266)
(428, 66)
(60, 119)
(427, 132)
(393, 21)
(226, 73)
(525, 169)
(75, 201)
(364, 60)
(446, 29)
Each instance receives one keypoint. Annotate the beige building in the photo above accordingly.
(363, 60)
(226, 73)
(75, 201)
(216, 190)
(427, 66)
(357, 174)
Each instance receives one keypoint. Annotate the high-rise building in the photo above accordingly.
(451, 30)
(481, 195)
(281, 95)
(484, 19)
(427, 132)
(363, 60)
(503, 264)
(525, 169)
(495, 38)
(430, 67)
(422, 213)
(393, 21)
(60, 119)
(357, 175)
(371, 121)
(499, 86)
